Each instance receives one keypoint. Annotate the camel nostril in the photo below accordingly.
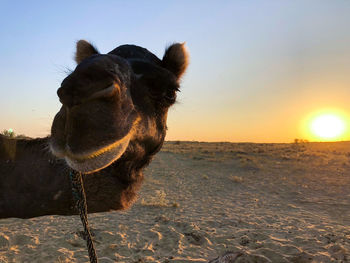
(65, 98)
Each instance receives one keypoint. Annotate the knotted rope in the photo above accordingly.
(80, 199)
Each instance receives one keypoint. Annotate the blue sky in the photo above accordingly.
(258, 68)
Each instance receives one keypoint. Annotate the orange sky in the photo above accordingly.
(258, 69)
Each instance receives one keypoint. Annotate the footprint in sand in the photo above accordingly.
(228, 257)
(24, 240)
(195, 238)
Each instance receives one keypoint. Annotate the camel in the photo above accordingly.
(111, 123)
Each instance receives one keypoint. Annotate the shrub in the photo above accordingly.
(9, 133)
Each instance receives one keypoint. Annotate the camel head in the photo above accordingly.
(113, 103)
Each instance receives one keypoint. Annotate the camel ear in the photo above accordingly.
(84, 50)
(176, 59)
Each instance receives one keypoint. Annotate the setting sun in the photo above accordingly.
(327, 126)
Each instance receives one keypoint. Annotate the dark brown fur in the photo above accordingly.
(34, 182)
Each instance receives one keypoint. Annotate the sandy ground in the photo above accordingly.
(273, 202)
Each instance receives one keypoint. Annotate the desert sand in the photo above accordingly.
(272, 202)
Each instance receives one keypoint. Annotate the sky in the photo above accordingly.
(259, 70)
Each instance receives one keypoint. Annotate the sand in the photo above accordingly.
(272, 202)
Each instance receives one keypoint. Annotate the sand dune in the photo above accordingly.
(272, 202)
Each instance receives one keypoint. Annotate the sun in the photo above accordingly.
(327, 126)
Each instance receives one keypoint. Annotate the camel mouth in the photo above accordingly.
(96, 160)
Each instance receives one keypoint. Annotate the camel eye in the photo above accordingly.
(113, 70)
(170, 95)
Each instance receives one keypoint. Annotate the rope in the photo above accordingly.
(80, 199)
